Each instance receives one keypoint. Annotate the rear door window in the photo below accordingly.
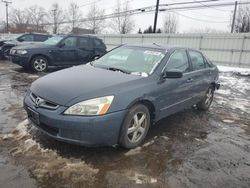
(178, 60)
(83, 42)
(98, 43)
(197, 60)
(41, 38)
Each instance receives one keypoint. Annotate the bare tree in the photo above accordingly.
(95, 19)
(37, 16)
(19, 21)
(74, 15)
(242, 21)
(57, 16)
(170, 23)
(122, 22)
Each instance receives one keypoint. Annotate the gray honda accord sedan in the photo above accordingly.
(114, 99)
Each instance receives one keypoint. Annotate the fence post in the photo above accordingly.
(200, 43)
(142, 37)
(241, 50)
(168, 39)
(121, 39)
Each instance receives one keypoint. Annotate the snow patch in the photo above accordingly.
(228, 121)
(141, 178)
(243, 71)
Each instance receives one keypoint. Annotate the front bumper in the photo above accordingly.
(20, 60)
(84, 130)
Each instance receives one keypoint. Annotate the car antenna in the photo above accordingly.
(156, 44)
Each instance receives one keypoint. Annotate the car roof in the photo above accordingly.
(84, 35)
(159, 46)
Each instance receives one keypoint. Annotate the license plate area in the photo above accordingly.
(33, 116)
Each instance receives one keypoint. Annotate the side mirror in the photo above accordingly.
(172, 74)
(60, 45)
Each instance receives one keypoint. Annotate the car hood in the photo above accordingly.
(80, 82)
(32, 45)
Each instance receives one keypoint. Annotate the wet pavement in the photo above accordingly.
(188, 149)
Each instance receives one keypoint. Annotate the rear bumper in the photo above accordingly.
(84, 130)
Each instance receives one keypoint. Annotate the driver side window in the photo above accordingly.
(178, 60)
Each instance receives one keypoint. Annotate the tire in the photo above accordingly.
(206, 102)
(39, 64)
(132, 133)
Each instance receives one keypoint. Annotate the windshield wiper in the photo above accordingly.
(118, 69)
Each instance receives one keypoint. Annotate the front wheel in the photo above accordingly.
(206, 102)
(135, 126)
(39, 64)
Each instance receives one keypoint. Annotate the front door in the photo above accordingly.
(174, 93)
(66, 52)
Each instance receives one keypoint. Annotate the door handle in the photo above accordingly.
(190, 79)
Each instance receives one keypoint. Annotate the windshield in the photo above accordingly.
(53, 40)
(131, 59)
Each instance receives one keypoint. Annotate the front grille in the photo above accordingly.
(43, 103)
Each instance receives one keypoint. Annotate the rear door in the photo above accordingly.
(174, 93)
(200, 74)
(85, 50)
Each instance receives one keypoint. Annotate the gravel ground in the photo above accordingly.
(188, 149)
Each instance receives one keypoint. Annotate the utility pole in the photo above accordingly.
(156, 15)
(55, 24)
(7, 14)
(233, 21)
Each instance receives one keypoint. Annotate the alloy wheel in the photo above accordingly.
(40, 65)
(209, 97)
(137, 127)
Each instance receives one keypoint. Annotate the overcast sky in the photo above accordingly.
(212, 17)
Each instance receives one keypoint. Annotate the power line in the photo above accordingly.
(200, 20)
(150, 9)
(205, 5)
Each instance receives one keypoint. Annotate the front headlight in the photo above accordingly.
(22, 52)
(97, 106)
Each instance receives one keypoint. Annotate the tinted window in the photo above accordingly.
(98, 43)
(41, 38)
(197, 60)
(70, 42)
(26, 38)
(178, 60)
(83, 42)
